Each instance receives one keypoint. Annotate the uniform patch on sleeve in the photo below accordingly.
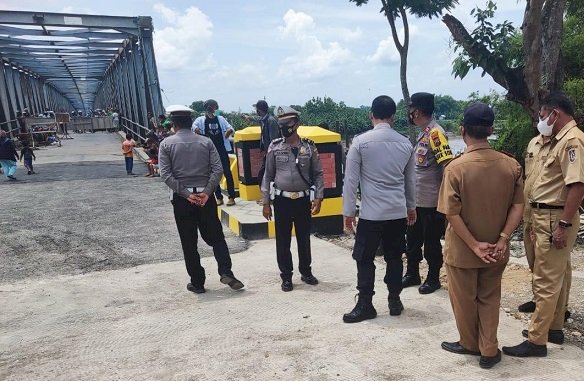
(435, 136)
(572, 155)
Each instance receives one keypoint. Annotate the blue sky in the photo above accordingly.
(289, 51)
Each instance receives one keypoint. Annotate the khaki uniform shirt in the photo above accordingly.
(480, 186)
(281, 168)
(431, 150)
(187, 160)
(552, 166)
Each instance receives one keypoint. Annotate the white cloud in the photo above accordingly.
(313, 60)
(184, 42)
(297, 24)
(386, 53)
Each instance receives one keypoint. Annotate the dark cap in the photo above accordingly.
(478, 114)
(423, 102)
(261, 105)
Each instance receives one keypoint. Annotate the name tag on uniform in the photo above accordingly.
(282, 159)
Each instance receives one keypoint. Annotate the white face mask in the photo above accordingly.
(544, 128)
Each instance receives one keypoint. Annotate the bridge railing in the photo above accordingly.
(9, 132)
(135, 129)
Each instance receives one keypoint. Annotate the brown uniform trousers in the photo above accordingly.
(552, 274)
(529, 247)
(476, 293)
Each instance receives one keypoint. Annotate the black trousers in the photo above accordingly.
(286, 213)
(392, 235)
(427, 231)
(188, 219)
(224, 156)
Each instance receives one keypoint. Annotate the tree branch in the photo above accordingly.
(391, 20)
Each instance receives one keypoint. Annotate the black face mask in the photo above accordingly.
(286, 130)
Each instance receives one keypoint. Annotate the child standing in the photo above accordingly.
(128, 151)
(27, 154)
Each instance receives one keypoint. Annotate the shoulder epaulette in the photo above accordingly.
(306, 140)
(277, 140)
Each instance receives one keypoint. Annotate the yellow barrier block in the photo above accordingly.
(318, 134)
(271, 229)
(234, 224)
(331, 207)
(234, 172)
(249, 192)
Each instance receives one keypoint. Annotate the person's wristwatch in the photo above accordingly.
(564, 224)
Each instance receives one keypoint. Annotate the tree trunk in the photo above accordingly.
(402, 49)
(553, 29)
(532, 51)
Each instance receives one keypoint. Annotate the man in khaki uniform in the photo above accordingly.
(556, 188)
(482, 213)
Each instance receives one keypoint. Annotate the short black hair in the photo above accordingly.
(383, 107)
(181, 121)
(558, 100)
(128, 136)
(478, 132)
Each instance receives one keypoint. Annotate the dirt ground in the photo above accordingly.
(517, 286)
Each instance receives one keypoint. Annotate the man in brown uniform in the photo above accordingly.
(556, 191)
(482, 213)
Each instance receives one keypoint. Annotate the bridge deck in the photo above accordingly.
(64, 319)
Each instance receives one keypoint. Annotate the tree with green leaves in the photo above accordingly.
(395, 10)
(526, 62)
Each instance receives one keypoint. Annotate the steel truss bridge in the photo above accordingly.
(72, 62)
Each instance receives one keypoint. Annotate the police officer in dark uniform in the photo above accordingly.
(190, 166)
(293, 180)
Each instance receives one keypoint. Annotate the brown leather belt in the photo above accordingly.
(541, 205)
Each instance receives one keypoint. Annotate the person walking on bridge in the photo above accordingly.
(189, 164)
(8, 156)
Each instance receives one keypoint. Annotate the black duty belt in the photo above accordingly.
(541, 205)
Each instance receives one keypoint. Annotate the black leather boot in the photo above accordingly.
(412, 277)
(432, 282)
(363, 310)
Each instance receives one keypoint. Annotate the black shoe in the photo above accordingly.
(363, 310)
(527, 307)
(455, 347)
(410, 280)
(29, 173)
(12, 178)
(231, 281)
(555, 336)
(429, 287)
(310, 279)
(287, 285)
(487, 362)
(395, 306)
(526, 349)
(197, 289)
(567, 315)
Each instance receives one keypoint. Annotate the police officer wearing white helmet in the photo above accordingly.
(293, 181)
(190, 166)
